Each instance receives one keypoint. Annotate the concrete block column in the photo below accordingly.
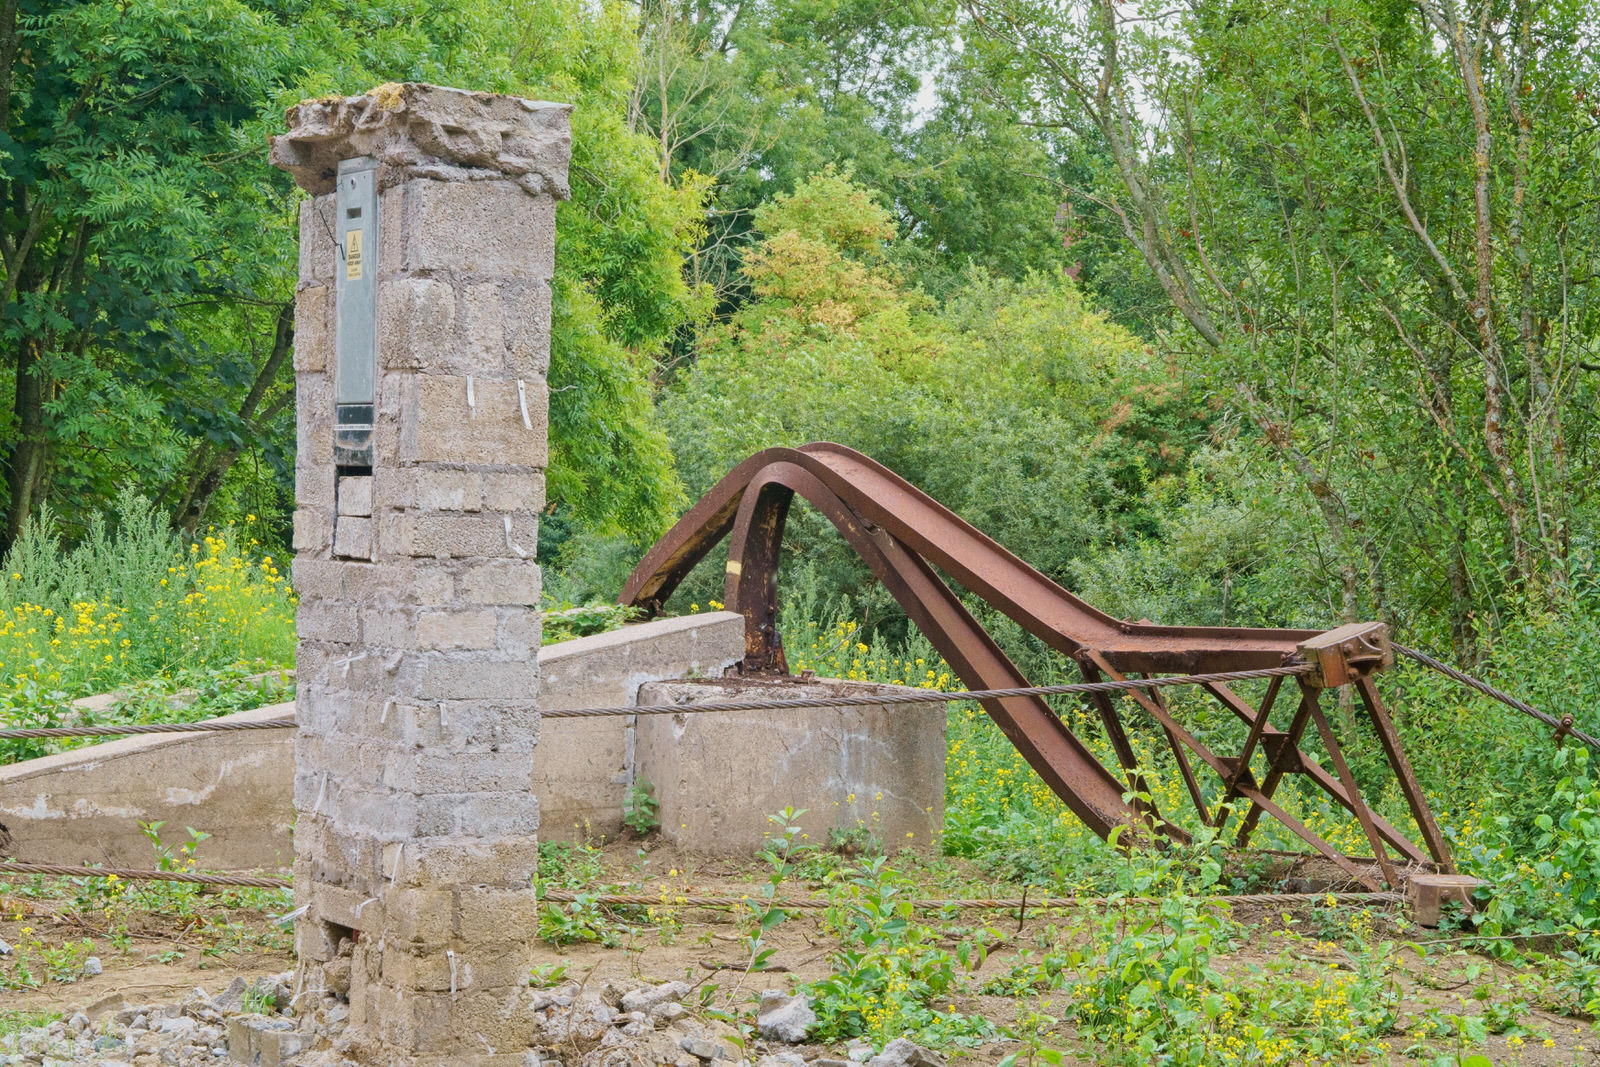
(418, 621)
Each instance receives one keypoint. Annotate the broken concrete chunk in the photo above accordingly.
(903, 1053)
(700, 1048)
(652, 997)
(786, 1018)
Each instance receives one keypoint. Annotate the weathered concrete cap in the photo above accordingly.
(428, 131)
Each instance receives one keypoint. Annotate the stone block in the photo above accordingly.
(313, 420)
(513, 491)
(717, 776)
(353, 538)
(318, 250)
(326, 620)
(482, 349)
(499, 581)
(312, 530)
(472, 725)
(425, 969)
(519, 634)
(439, 535)
(527, 327)
(259, 1041)
(420, 916)
(396, 583)
(509, 862)
(488, 914)
(423, 489)
(507, 769)
(494, 814)
(453, 629)
(458, 676)
(355, 495)
(442, 427)
(490, 229)
(344, 907)
(433, 1029)
(313, 328)
(313, 488)
(416, 323)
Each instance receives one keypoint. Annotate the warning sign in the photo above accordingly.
(352, 255)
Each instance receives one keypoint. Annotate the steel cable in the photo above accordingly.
(1563, 726)
(561, 896)
(906, 696)
(929, 696)
(132, 728)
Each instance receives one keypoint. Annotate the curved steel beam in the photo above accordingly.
(974, 561)
(1055, 752)
(903, 535)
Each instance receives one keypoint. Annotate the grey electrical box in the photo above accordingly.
(356, 286)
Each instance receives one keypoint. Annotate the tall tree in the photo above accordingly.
(117, 123)
(1374, 222)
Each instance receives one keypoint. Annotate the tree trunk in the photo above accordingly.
(209, 464)
(27, 459)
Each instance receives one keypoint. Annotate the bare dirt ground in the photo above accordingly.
(149, 957)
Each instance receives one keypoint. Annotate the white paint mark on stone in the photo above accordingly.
(512, 545)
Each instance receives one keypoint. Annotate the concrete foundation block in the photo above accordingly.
(718, 776)
(1428, 893)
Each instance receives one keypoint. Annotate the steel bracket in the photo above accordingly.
(1346, 653)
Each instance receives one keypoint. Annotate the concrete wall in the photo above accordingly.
(719, 775)
(582, 767)
(86, 805)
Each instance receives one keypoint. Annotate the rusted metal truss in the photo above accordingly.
(903, 535)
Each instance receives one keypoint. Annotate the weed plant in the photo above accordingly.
(132, 605)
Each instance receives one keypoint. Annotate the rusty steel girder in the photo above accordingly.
(903, 535)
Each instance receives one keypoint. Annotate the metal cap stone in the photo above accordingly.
(416, 130)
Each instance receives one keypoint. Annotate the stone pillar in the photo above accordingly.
(418, 619)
